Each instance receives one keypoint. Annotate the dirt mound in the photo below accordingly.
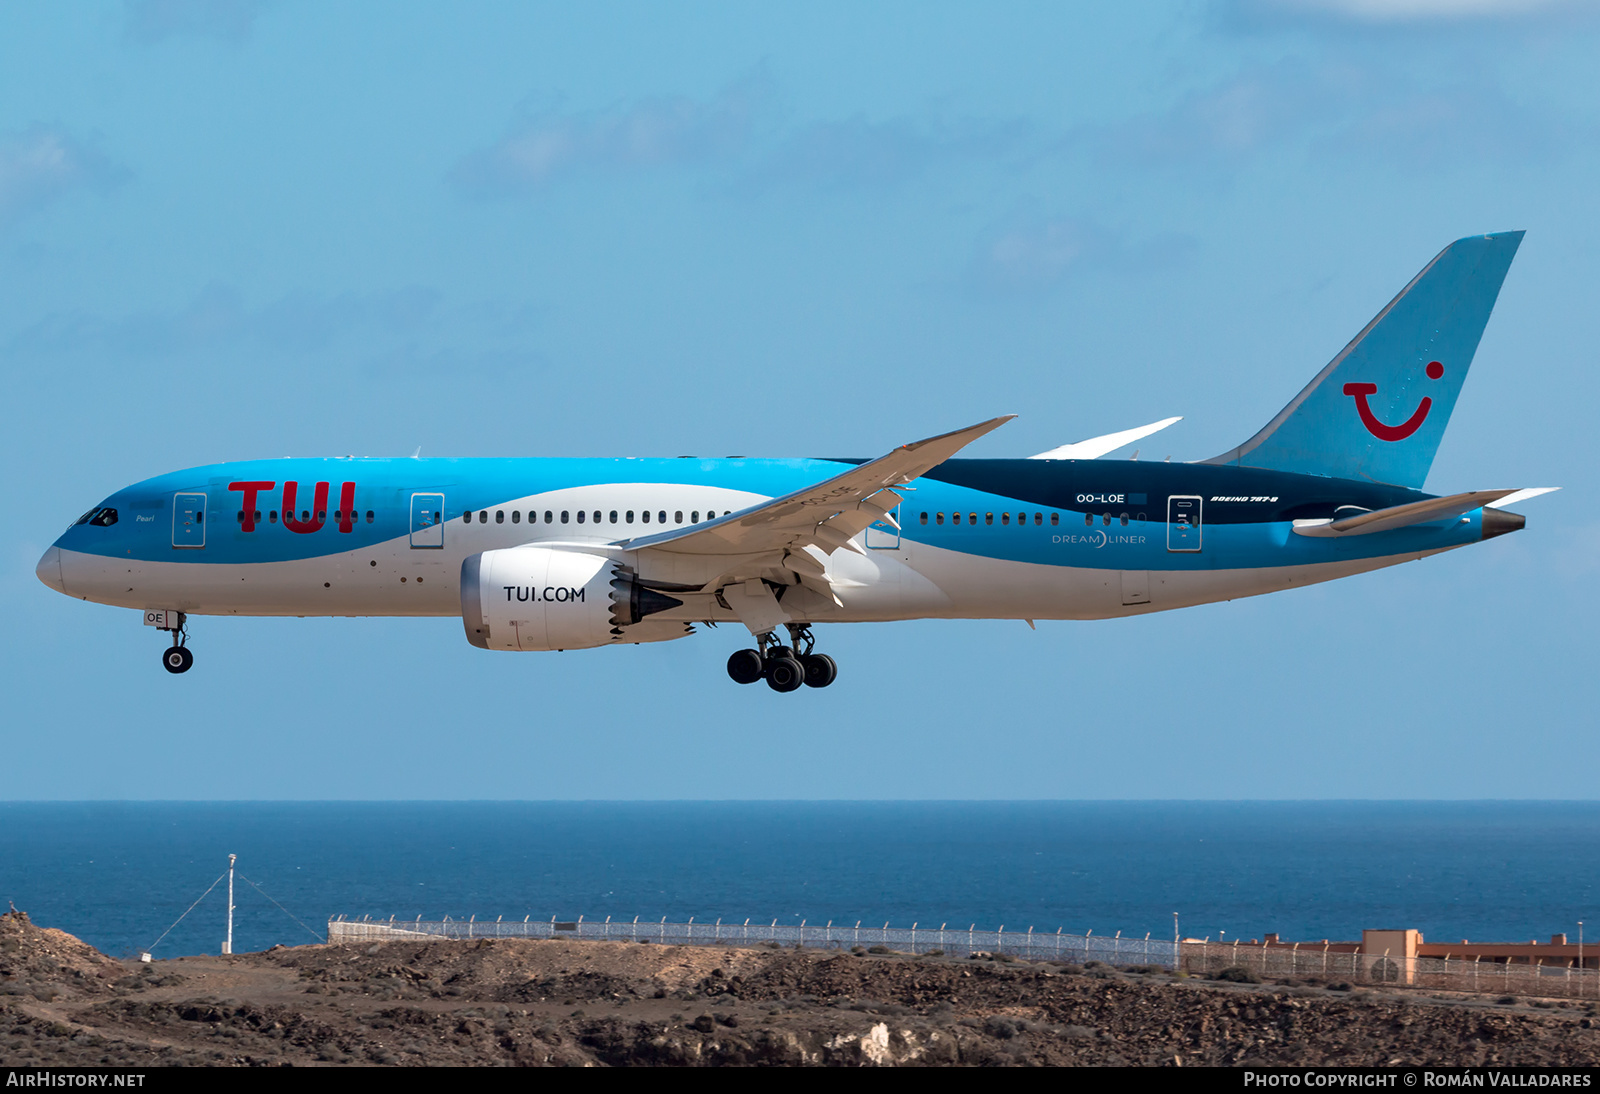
(43, 963)
(583, 1003)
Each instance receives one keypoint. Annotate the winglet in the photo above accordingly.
(946, 445)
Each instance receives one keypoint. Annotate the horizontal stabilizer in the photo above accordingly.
(1402, 516)
(1095, 447)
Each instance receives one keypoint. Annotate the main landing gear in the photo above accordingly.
(178, 658)
(785, 668)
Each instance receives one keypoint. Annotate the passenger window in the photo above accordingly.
(322, 514)
(694, 517)
(645, 516)
(988, 518)
(113, 515)
(516, 516)
(499, 516)
(240, 517)
(627, 518)
(1139, 517)
(1088, 520)
(972, 518)
(938, 518)
(483, 516)
(1005, 518)
(563, 516)
(1106, 520)
(467, 516)
(272, 516)
(370, 516)
(547, 519)
(597, 516)
(663, 516)
(1055, 519)
(924, 518)
(1038, 519)
(1124, 520)
(677, 516)
(581, 515)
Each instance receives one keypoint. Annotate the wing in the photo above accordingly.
(826, 515)
(1095, 447)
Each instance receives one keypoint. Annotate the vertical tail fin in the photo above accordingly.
(1379, 409)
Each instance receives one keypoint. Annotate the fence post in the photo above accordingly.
(913, 936)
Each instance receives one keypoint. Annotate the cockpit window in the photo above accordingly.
(103, 517)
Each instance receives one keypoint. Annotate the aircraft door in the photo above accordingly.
(1183, 522)
(427, 521)
(188, 520)
(882, 535)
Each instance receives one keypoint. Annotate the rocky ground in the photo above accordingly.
(579, 1003)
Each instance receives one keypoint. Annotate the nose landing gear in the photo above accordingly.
(178, 657)
(785, 668)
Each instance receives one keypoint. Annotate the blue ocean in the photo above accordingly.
(119, 874)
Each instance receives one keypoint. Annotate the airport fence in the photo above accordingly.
(1291, 962)
(1028, 945)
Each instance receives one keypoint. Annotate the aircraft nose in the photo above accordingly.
(49, 570)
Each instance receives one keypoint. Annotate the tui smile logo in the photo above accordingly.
(1392, 432)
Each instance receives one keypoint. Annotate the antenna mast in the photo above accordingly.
(227, 944)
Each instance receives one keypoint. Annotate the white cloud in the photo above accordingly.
(652, 132)
(1401, 11)
(219, 318)
(1337, 113)
(39, 164)
(860, 152)
(151, 21)
(1029, 253)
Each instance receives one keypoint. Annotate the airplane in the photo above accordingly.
(537, 554)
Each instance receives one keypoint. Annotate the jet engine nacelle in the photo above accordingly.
(535, 598)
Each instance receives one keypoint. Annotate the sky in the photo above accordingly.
(233, 229)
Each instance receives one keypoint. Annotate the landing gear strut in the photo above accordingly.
(178, 658)
(785, 668)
